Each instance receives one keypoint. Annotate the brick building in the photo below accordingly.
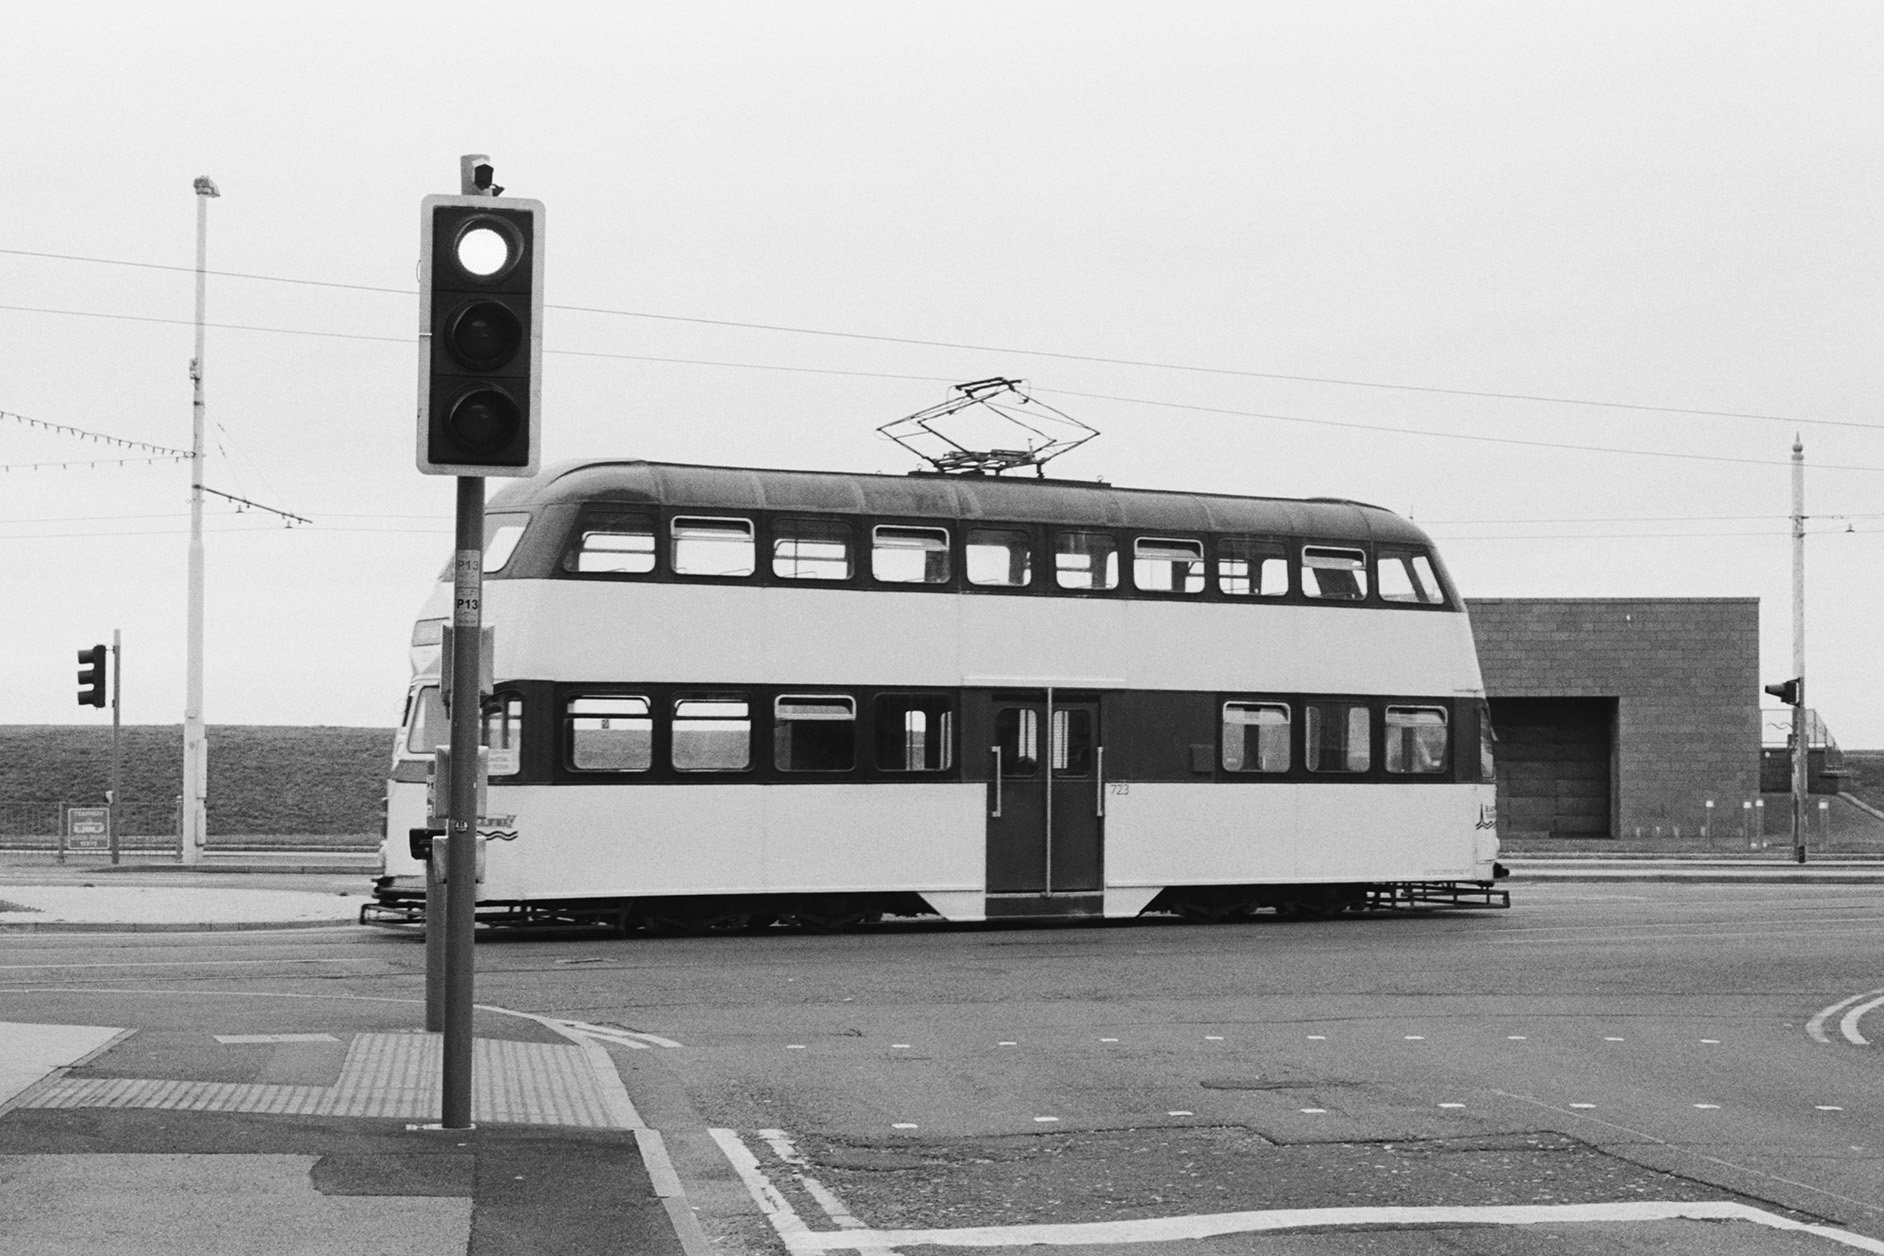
(1621, 716)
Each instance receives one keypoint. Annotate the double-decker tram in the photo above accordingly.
(728, 696)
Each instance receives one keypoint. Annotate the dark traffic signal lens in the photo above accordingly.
(483, 422)
(483, 335)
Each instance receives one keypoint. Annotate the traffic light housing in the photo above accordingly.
(91, 676)
(1786, 691)
(480, 335)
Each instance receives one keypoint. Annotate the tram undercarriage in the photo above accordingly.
(400, 901)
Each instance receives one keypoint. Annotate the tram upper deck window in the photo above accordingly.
(1085, 560)
(812, 549)
(1409, 578)
(609, 733)
(712, 547)
(1334, 574)
(1338, 737)
(501, 534)
(712, 735)
(909, 555)
(814, 733)
(611, 542)
(1248, 568)
(1000, 556)
(1416, 739)
(1165, 565)
(1255, 737)
(915, 733)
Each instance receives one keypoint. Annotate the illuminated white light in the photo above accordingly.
(483, 251)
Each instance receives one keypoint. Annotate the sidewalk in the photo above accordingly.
(177, 1123)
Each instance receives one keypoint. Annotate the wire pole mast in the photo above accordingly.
(1799, 749)
(193, 818)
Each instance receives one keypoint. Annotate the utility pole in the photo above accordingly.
(193, 820)
(1799, 749)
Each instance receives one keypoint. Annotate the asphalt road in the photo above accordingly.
(1599, 1045)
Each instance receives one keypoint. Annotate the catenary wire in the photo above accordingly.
(920, 342)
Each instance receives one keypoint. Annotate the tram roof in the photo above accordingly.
(1065, 502)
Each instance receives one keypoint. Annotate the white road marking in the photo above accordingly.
(1213, 1037)
(1613, 1040)
(834, 1208)
(1452, 1105)
(1828, 1107)
(196, 963)
(899, 1046)
(1416, 1037)
(609, 1033)
(1710, 1042)
(1007, 1044)
(776, 1207)
(1313, 1111)
(904, 1125)
(1043, 1120)
(1516, 1038)
(1181, 1112)
(1108, 1040)
(1815, 1028)
(1166, 1229)
(231, 1040)
(1712, 1107)
(1848, 1023)
(1318, 1037)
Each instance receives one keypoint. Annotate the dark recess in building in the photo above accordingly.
(1554, 758)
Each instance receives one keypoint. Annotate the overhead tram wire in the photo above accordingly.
(1144, 401)
(1096, 359)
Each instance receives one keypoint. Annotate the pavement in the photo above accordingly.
(310, 1130)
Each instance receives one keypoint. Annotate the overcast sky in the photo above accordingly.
(1667, 206)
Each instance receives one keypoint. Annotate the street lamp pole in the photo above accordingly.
(192, 821)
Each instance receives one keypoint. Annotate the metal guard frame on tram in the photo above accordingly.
(733, 696)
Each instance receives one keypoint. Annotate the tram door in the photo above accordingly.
(1045, 799)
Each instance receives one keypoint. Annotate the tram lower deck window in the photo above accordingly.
(712, 735)
(609, 733)
(1416, 739)
(915, 733)
(1255, 737)
(814, 733)
(1338, 737)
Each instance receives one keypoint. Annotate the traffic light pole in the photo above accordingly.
(461, 841)
(117, 714)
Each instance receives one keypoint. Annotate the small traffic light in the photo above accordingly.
(92, 676)
(480, 335)
(1786, 691)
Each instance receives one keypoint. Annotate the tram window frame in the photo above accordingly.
(1101, 552)
(1408, 578)
(428, 713)
(937, 560)
(677, 715)
(1020, 542)
(1395, 750)
(703, 526)
(1334, 558)
(1146, 561)
(635, 560)
(571, 716)
(788, 755)
(1260, 763)
(1355, 753)
(892, 735)
(1265, 568)
(823, 567)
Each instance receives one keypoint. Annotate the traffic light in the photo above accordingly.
(92, 677)
(1786, 691)
(481, 335)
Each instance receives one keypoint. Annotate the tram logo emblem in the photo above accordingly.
(1487, 815)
